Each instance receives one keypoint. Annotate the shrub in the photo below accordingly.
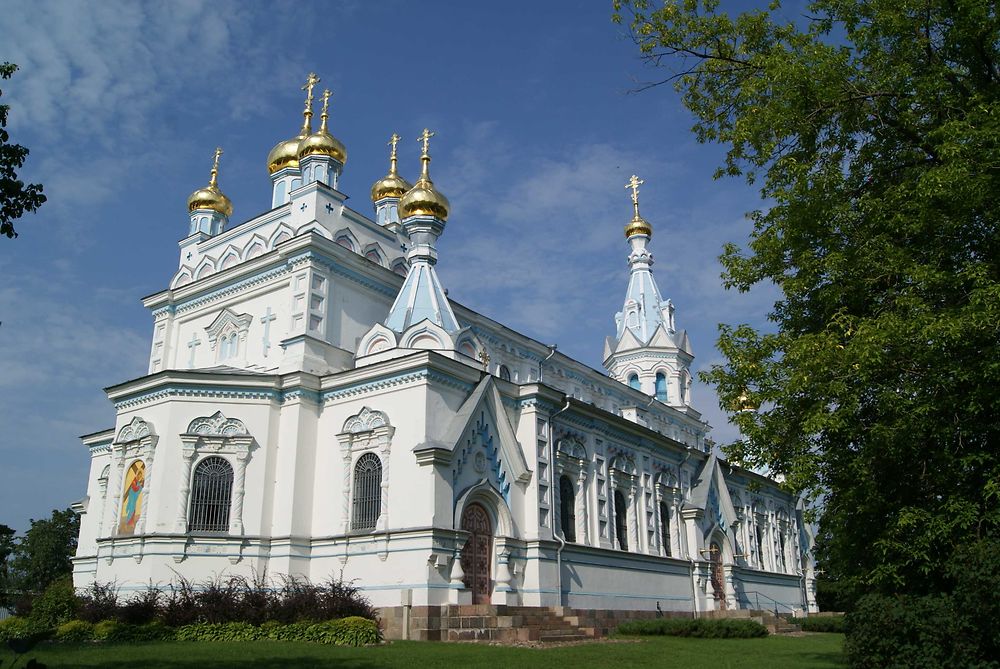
(75, 631)
(726, 628)
(350, 631)
(292, 632)
(902, 631)
(99, 602)
(179, 605)
(142, 607)
(821, 624)
(57, 605)
(219, 632)
(19, 627)
(117, 631)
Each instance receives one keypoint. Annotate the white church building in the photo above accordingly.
(316, 405)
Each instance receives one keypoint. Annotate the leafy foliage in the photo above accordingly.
(822, 624)
(873, 130)
(43, 554)
(16, 198)
(57, 605)
(75, 631)
(703, 628)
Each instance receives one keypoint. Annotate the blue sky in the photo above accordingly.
(122, 105)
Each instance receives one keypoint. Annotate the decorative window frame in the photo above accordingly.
(667, 491)
(368, 431)
(215, 435)
(624, 478)
(572, 460)
(135, 441)
(226, 322)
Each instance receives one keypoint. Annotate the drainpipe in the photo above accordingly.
(552, 490)
(552, 352)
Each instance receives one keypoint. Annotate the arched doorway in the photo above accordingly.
(477, 554)
(718, 576)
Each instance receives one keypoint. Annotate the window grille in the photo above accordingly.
(665, 528)
(367, 492)
(211, 496)
(621, 522)
(567, 511)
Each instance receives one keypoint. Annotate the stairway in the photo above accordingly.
(486, 622)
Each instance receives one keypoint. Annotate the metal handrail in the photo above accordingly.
(758, 595)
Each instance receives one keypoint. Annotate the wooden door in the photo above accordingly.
(477, 554)
(718, 576)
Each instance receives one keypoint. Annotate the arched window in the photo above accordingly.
(504, 373)
(211, 496)
(684, 388)
(781, 552)
(367, 492)
(346, 242)
(567, 508)
(621, 522)
(759, 535)
(665, 527)
(374, 257)
(633, 381)
(661, 386)
(400, 268)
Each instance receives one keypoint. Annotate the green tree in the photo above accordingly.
(16, 198)
(43, 554)
(7, 547)
(872, 128)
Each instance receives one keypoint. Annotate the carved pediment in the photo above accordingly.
(227, 319)
(217, 425)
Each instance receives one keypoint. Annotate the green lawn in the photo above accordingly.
(817, 650)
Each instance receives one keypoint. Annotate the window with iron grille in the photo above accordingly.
(211, 496)
(567, 511)
(621, 521)
(367, 492)
(665, 527)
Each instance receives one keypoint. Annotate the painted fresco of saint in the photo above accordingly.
(131, 509)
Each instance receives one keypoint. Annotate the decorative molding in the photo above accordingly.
(367, 431)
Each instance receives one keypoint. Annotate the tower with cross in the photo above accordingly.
(647, 352)
(387, 191)
(321, 155)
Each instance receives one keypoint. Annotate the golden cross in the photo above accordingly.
(326, 99)
(634, 184)
(308, 88)
(215, 166)
(425, 137)
(392, 142)
(484, 357)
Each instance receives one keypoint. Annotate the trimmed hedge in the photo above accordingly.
(702, 628)
(350, 631)
(75, 631)
(113, 630)
(822, 624)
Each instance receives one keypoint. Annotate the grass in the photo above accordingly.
(815, 651)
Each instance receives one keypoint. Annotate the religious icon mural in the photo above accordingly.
(135, 481)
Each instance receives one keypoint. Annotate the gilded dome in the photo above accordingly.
(284, 154)
(638, 226)
(211, 197)
(391, 185)
(423, 199)
(321, 142)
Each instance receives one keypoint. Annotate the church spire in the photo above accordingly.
(387, 191)
(424, 210)
(647, 352)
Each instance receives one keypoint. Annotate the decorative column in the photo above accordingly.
(184, 490)
(239, 492)
(582, 522)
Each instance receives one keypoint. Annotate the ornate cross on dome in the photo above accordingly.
(213, 181)
(326, 100)
(393, 141)
(311, 81)
(634, 184)
(425, 137)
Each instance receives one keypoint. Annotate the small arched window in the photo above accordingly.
(661, 386)
(374, 257)
(633, 381)
(759, 534)
(621, 521)
(781, 552)
(346, 242)
(567, 508)
(367, 492)
(211, 496)
(504, 373)
(665, 527)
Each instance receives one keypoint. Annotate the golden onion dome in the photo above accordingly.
(321, 142)
(423, 199)
(391, 185)
(211, 197)
(638, 225)
(284, 154)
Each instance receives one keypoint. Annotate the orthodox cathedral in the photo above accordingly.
(316, 405)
